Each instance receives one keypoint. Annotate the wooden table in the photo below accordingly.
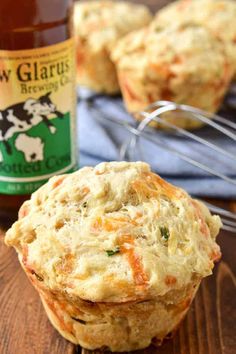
(209, 327)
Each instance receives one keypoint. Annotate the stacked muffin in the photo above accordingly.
(218, 16)
(98, 25)
(183, 64)
(116, 253)
(187, 54)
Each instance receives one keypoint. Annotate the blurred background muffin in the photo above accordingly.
(98, 25)
(116, 253)
(184, 64)
(218, 16)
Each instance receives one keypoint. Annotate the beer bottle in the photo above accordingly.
(37, 97)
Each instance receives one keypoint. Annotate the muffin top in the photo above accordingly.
(101, 23)
(181, 51)
(217, 15)
(115, 233)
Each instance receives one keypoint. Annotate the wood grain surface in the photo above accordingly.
(24, 328)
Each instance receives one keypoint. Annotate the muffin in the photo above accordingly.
(98, 25)
(184, 64)
(218, 16)
(116, 253)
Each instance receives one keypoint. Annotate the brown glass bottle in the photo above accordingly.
(28, 24)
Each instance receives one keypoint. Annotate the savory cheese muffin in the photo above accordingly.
(218, 16)
(184, 64)
(116, 253)
(98, 25)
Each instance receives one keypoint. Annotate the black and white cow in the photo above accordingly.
(22, 116)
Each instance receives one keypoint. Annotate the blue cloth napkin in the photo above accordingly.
(101, 140)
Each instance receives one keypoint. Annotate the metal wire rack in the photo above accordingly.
(154, 113)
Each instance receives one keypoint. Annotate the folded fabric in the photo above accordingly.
(101, 140)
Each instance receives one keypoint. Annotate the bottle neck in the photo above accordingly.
(34, 23)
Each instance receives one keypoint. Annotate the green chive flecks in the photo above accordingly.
(165, 233)
(38, 277)
(113, 252)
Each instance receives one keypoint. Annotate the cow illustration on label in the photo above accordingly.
(21, 117)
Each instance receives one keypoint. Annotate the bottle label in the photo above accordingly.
(37, 116)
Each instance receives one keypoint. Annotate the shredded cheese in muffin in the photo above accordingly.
(101, 23)
(218, 16)
(115, 233)
(98, 25)
(155, 65)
